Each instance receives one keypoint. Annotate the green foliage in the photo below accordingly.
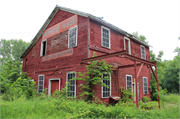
(12, 49)
(170, 79)
(140, 37)
(93, 78)
(51, 107)
(145, 99)
(21, 87)
(148, 105)
(126, 95)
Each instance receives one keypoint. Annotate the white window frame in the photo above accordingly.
(129, 45)
(144, 52)
(75, 84)
(131, 81)
(41, 51)
(143, 86)
(102, 86)
(52, 79)
(43, 82)
(76, 36)
(102, 27)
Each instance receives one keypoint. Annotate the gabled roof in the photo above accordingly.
(81, 14)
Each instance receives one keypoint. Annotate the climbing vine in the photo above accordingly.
(93, 77)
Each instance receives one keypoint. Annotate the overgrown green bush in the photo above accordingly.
(21, 87)
(145, 99)
(126, 95)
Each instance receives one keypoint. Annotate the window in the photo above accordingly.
(41, 83)
(143, 54)
(26, 62)
(145, 85)
(105, 37)
(43, 47)
(127, 45)
(128, 81)
(71, 88)
(72, 37)
(106, 90)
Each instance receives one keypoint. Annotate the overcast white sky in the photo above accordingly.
(157, 20)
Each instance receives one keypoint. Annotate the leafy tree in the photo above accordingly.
(12, 49)
(140, 37)
(5, 50)
(171, 76)
(92, 77)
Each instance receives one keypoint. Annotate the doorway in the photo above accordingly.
(54, 84)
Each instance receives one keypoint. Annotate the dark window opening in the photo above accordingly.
(44, 48)
(26, 64)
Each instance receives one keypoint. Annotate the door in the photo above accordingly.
(54, 86)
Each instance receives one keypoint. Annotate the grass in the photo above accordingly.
(44, 107)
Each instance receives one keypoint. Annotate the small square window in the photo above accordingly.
(105, 37)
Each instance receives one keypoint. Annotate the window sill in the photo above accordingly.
(106, 47)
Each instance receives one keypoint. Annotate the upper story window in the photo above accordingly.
(71, 87)
(143, 53)
(72, 37)
(105, 37)
(106, 90)
(26, 62)
(127, 45)
(43, 47)
(145, 85)
(128, 81)
(41, 83)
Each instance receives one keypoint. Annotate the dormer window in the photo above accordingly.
(43, 47)
(143, 53)
(105, 37)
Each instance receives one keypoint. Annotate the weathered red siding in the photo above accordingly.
(57, 43)
(86, 45)
(117, 44)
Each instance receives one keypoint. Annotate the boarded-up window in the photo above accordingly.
(71, 87)
(72, 37)
(41, 83)
(128, 81)
(105, 37)
(106, 90)
(143, 54)
(145, 85)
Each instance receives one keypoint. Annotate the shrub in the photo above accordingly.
(145, 99)
(126, 95)
(148, 105)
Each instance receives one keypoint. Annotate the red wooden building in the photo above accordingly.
(68, 37)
